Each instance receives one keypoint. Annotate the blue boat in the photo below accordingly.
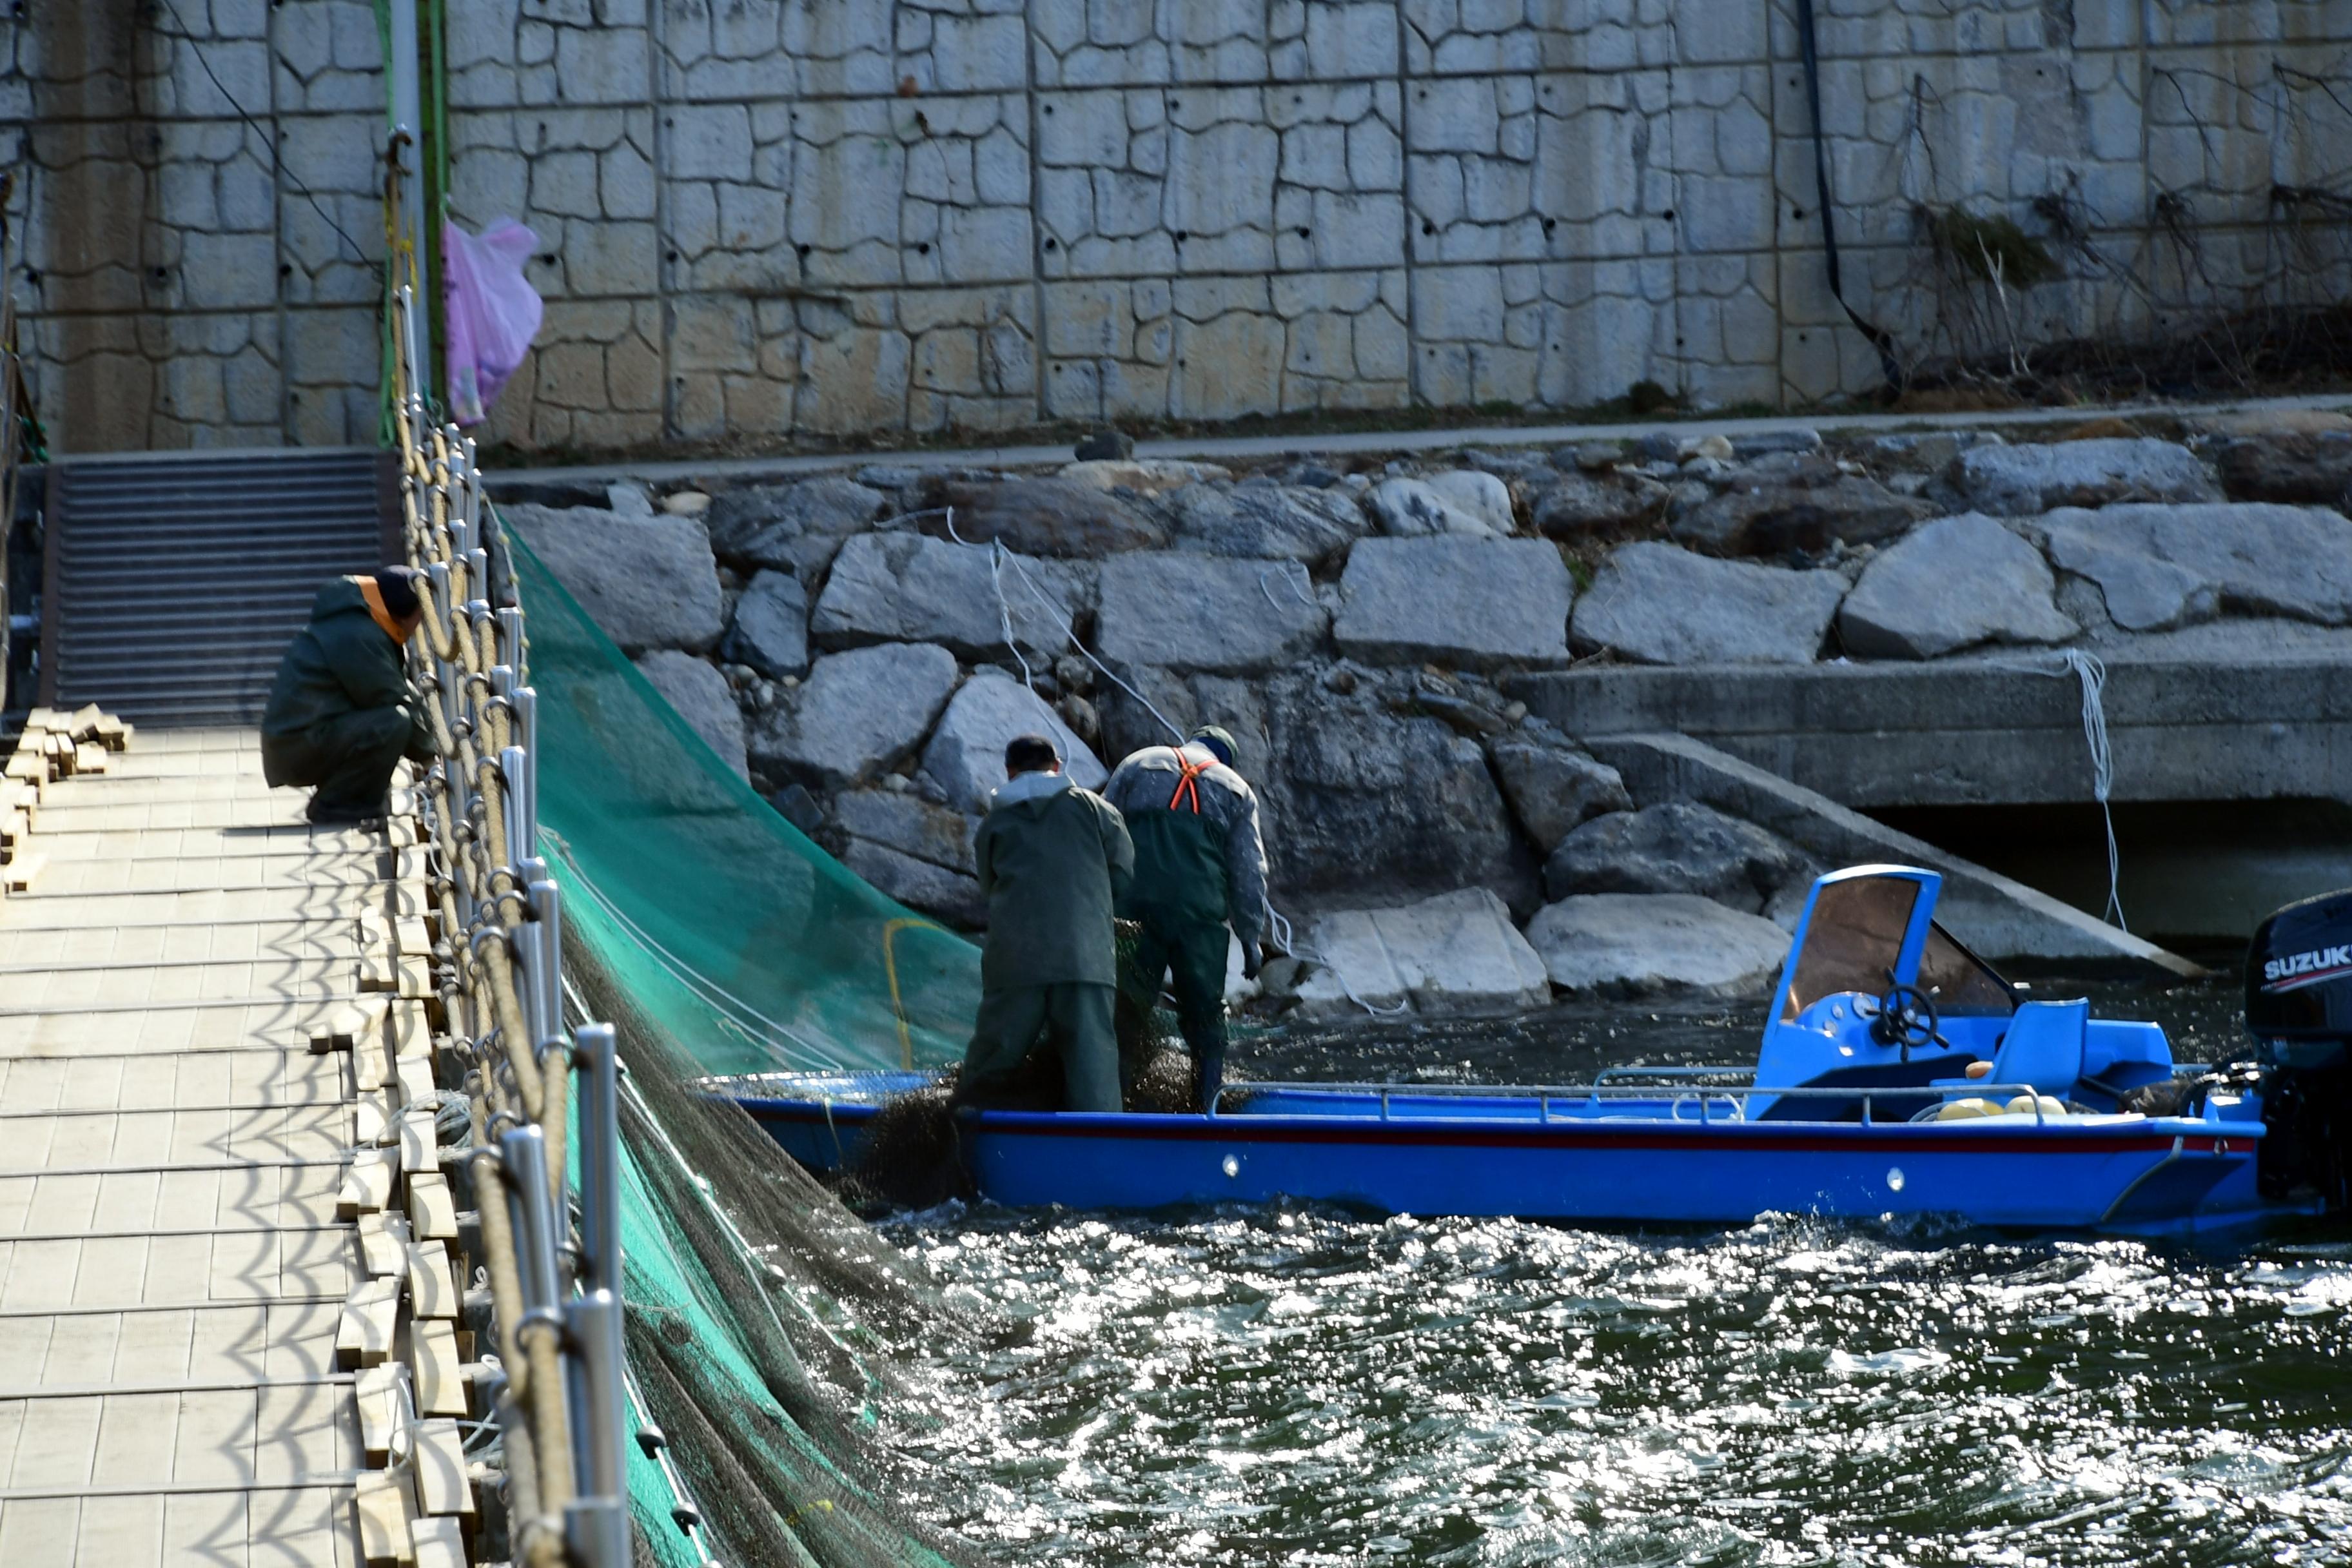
(1899, 1075)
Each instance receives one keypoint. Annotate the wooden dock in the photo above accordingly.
(173, 1270)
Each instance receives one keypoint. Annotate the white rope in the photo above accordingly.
(2091, 673)
(997, 557)
(1301, 585)
(2092, 676)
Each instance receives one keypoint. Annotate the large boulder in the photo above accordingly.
(1552, 783)
(1657, 944)
(966, 754)
(1144, 475)
(903, 821)
(1953, 584)
(908, 587)
(1476, 602)
(1363, 799)
(1580, 506)
(1454, 953)
(2161, 567)
(1259, 519)
(953, 896)
(1678, 848)
(1463, 500)
(1039, 516)
(2018, 481)
(2311, 468)
(1810, 514)
(701, 696)
(1659, 603)
(771, 632)
(797, 527)
(647, 581)
(857, 715)
(1925, 452)
(1205, 612)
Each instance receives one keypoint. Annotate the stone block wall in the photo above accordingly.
(771, 218)
(198, 220)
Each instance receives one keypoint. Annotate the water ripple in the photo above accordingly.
(1304, 1385)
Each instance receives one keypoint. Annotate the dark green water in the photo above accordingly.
(1304, 1385)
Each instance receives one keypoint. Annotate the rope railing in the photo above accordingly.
(558, 1389)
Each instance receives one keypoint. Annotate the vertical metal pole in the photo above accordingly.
(408, 130)
(409, 346)
(547, 927)
(523, 1161)
(516, 770)
(599, 1145)
(596, 1524)
(526, 712)
(596, 1320)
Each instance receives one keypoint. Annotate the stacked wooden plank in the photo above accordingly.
(401, 1328)
(53, 745)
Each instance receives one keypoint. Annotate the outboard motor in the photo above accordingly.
(2299, 1005)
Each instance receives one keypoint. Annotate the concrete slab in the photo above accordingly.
(1995, 731)
(1993, 914)
(172, 1267)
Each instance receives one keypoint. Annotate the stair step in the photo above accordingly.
(181, 580)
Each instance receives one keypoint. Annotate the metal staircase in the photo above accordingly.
(171, 584)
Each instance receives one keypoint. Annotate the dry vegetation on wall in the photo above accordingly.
(2189, 299)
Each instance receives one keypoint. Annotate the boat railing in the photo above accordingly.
(1602, 1088)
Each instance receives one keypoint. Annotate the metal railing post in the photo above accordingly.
(547, 924)
(523, 1161)
(587, 1398)
(596, 1317)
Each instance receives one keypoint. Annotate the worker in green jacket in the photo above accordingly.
(342, 715)
(1199, 870)
(1053, 860)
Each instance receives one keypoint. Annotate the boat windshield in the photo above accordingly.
(1961, 984)
(1853, 941)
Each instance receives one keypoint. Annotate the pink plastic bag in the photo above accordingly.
(492, 312)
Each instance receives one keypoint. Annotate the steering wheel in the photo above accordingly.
(1906, 1017)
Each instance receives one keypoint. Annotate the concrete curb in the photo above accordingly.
(793, 464)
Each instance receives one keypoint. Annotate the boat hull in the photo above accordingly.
(1534, 1160)
(2128, 1173)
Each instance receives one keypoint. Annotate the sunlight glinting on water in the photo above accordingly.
(1307, 1386)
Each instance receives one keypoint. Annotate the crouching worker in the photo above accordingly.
(1053, 860)
(342, 715)
(1200, 867)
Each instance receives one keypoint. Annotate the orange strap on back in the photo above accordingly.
(1188, 783)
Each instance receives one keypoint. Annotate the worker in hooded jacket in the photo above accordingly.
(1200, 869)
(341, 714)
(1053, 860)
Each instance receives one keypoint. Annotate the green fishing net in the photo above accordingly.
(768, 1329)
(756, 950)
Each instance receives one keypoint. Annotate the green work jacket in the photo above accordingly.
(1198, 856)
(341, 662)
(1053, 860)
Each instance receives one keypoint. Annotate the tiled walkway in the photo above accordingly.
(171, 1265)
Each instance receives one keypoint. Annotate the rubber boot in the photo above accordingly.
(1208, 1077)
